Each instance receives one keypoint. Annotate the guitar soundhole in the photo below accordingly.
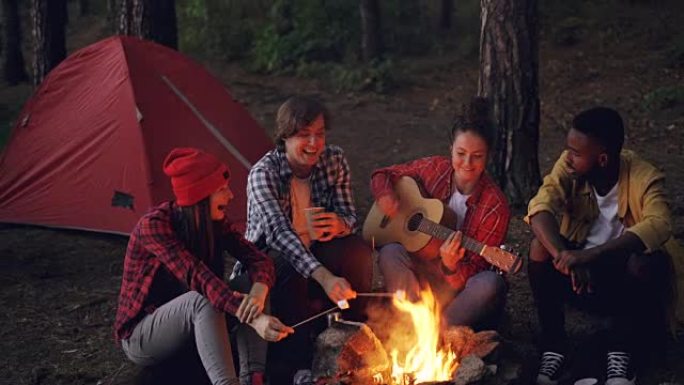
(414, 221)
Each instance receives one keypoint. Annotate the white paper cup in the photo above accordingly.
(309, 212)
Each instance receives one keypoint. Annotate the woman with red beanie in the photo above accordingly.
(172, 291)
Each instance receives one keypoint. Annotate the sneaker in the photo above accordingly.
(549, 368)
(619, 370)
(302, 377)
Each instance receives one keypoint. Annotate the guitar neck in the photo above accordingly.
(441, 232)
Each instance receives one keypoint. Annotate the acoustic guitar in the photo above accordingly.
(422, 224)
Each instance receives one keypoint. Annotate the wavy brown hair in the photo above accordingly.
(296, 113)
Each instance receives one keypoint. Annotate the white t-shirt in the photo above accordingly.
(607, 226)
(457, 202)
(300, 198)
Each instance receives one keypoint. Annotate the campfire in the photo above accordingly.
(427, 359)
(420, 350)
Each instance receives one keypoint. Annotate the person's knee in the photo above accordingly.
(641, 267)
(489, 287)
(538, 252)
(391, 254)
(199, 304)
(360, 253)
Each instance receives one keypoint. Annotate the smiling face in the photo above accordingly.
(218, 202)
(305, 147)
(468, 158)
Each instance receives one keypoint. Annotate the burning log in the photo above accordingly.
(463, 341)
(349, 353)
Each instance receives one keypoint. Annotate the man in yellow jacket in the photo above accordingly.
(603, 238)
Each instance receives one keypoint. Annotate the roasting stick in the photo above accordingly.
(313, 317)
(343, 304)
(372, 294)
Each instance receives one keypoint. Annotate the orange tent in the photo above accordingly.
(87, 148)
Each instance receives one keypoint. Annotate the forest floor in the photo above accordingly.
(58, 289)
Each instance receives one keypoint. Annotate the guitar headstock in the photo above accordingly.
(503, 258)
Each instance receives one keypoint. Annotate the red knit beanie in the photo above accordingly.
(194, 174)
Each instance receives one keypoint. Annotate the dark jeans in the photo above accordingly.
(295, 298)
(631, 290)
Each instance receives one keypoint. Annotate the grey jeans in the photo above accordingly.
(185, 319)
(478, 305)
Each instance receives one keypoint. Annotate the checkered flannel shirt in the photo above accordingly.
(153, 243)
(269, 210)
(487, 213)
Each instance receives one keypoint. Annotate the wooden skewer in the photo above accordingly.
(389, 295)
(313, 317)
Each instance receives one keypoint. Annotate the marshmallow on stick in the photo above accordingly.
(343, 304)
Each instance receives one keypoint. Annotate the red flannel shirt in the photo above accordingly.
(153, 243)
(487, 212)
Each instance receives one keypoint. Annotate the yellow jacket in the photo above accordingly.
(642, 208)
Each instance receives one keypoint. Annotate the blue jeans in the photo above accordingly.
(479, 304)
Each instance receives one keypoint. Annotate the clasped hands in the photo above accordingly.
(574, 263)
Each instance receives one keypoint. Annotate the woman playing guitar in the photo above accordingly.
(469, 292)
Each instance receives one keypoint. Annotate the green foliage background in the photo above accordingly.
(323, 37)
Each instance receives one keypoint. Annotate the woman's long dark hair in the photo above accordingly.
(195, 228)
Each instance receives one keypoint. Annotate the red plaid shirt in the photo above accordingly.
(487, 212)
(153, 243)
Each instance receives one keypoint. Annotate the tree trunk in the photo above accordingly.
(126, 22)
(112, 14)
(164, 25)
(65, 11)
(446, 9)
(49, 41)
(371, 36)
(509, 66)
(281, 14)
(149, 19)
(14, 70)
(84, 7)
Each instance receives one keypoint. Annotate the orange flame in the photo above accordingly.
(425, 361)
